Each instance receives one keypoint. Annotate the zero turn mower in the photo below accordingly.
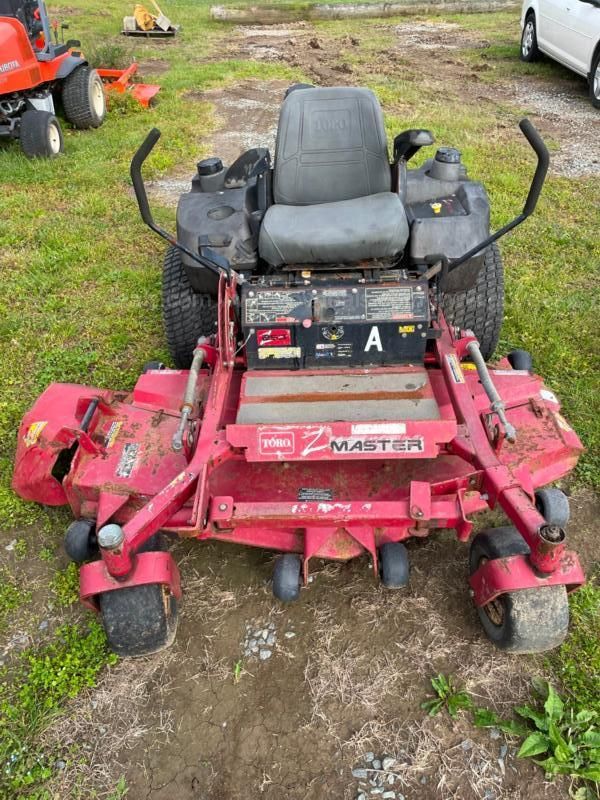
(330, 319)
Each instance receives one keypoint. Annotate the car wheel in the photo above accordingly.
(529, 47)
(595, 81)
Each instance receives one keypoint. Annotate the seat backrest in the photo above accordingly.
(331, 146)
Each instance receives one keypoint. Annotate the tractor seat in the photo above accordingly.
(332, 182)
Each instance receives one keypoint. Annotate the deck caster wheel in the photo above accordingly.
(393, 565)
(151, 365)
(521, 360)
(80, 541)
(139, 620)
(286, 577)
(526, 621)
(553, 505)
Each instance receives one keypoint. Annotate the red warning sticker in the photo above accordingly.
(274, 337)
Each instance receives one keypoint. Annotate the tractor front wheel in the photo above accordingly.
(525, 621)
(40, 134)
(83, 98)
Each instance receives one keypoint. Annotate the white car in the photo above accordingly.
(569, 32)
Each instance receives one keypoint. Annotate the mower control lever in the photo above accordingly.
(137, 161)
(543, 156)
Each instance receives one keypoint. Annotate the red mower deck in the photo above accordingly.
(324, 490)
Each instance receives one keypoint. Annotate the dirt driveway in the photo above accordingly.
(349, 664)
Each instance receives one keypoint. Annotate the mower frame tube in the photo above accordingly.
(189, 397)
(486, 381)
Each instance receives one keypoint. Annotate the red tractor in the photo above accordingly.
(34, 70)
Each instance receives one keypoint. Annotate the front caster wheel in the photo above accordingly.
(526, 621)
(80, 541)
(286, 578)
(393, 565)
(553, 505)
(521, 360)
(139, 620)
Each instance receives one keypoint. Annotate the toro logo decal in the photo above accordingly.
(276, 443)
(8, 66)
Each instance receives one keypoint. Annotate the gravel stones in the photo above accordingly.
(260, 639)
(376, 778)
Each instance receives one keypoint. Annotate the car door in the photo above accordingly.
(554, 29)
(583, 33)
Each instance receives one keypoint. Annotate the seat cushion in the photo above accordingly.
(333, 233)
(331, 145)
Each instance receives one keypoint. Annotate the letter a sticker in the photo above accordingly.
(374, 340)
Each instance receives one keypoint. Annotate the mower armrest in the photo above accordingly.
(409, 142)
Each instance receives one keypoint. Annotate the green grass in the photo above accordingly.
(36, 689)
(80, 297)
(577, 662)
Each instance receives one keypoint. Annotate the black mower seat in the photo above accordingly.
(332, 182)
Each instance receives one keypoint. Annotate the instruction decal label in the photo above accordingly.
(128, 460)
(112, 433)
(307, 495)
(274, 337)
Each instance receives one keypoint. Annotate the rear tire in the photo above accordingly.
(529, 47)
(40, 134)
(595, 81)
(526, 621)
(481, 308)
(139, 620)
(187, 314)
(83, 98)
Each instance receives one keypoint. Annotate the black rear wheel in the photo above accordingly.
(83, 98)
(595, 81)
(40, 134)
(529, 46)
(187, 314)
(481, 308)
(526, 621)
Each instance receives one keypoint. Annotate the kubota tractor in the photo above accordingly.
(34, 70)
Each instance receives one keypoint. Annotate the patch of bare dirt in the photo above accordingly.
(566, 112)
(246, 116)
(153, 67)
(436, 35)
